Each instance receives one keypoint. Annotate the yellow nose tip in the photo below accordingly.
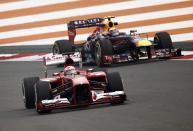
(142, 43)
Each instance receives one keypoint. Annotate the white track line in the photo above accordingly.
(187, 52)
(29, 4)
(6, 55)
(84, 11)
(26, 58)
(121, 19)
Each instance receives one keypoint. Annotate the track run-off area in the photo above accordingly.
(159, 96)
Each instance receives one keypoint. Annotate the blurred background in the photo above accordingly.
(38, 23)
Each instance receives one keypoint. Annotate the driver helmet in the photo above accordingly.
(108, 24)
(70, 70)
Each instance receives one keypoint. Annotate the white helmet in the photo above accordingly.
(70, 70)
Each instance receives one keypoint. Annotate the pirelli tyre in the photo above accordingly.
(102, 47)
(63, 46)
(42, 92)
(28, 91)
(163, 40)
(114, 82)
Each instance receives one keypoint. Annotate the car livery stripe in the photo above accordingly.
(7, 1)
(182, 27)
(22, 5)
(124, 21)
(124, 12)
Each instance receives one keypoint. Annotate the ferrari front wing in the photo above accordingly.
(101, 98)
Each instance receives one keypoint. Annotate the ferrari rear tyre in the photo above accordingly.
(42, 92)
(63, 46)
(114, 82)
(103, 47)
(163, 40)
(29, 91)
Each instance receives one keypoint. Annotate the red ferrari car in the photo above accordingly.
(72, 88)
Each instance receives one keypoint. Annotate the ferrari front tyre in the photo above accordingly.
(163, 40)
(42, 92)
(114, 82)
(103, 48)
(63, 46)
(28, 91)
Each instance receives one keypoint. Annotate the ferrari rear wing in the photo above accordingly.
(61, 59)
(58, 59)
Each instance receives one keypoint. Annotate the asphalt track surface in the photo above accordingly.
(159, 99)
